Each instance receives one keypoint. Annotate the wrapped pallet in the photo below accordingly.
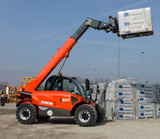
(135, 23)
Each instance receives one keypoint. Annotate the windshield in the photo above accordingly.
(81, 88)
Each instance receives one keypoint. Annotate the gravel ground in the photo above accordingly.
(66, 128)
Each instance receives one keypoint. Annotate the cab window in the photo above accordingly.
(67, 85)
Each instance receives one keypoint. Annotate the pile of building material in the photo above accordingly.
(10, 93)
(135, 23)
(1, 97)
(127, 99)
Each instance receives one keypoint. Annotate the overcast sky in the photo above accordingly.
(31, 31)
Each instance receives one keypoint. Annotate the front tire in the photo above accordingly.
(85, 115)
(26, 113)
(2, 103)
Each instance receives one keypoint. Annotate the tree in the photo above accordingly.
(92, 81)
(2, 84)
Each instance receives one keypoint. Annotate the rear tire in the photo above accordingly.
(100, 113)
(85, 115)
(2, 103)
(43, 118)
(26, 113)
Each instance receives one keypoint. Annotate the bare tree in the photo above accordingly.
(96, 80)
(100, 80)
(147, 82)
(91, 82)
(2, 84)
(79, 79)
(107, 80)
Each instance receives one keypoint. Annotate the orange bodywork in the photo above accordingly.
(55, 99)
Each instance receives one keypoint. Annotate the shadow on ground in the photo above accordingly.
(69, 121)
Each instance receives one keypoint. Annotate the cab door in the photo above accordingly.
(62, 99)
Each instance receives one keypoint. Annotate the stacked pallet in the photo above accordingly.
(158, 103)
(127, 99)
(145, 96)
(125, 107)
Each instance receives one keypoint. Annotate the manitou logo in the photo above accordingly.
(46, 102)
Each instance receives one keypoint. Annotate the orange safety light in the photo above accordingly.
(60, 73)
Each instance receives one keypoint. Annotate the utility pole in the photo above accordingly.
(142, 66)
(118, 57)
(94, 75)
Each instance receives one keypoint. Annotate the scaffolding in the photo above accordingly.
(10, 94)
(25, 80)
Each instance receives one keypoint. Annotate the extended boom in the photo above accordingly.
(65, 49)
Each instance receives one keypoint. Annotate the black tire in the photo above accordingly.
(26, 113)
(100, 113)
(85, 115)
(43, 118)
(2, 103)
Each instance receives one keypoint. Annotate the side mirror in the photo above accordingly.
(87, 85)
(70, 81)
(98, 90)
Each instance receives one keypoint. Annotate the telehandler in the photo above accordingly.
(71, 99)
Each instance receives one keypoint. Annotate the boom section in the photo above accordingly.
(62, 52)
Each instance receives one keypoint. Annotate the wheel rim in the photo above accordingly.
(25, 113)
(84, 116)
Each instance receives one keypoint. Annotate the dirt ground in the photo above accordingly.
(66, 128)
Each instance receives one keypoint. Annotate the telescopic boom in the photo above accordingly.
(112, 25)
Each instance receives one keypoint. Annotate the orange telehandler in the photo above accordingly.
(62, 96)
